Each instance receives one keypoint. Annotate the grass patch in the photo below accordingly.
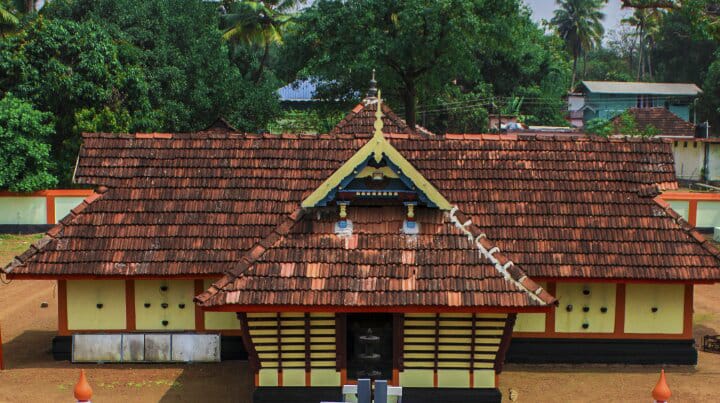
(13, 245)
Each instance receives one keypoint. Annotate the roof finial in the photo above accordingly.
(378, 137)
(378, 125)
(373, 91)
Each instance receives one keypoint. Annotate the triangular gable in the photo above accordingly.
(378, 149)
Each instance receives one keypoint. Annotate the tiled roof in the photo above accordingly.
(360, 120)
(667, 123)
(308, 264)
(194, 204)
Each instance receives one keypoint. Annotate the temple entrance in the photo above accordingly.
(369, 346)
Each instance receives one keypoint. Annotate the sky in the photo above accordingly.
(543, 9)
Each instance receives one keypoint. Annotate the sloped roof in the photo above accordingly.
(619, 87)
(194, 204)
(377, 266)
(667, 123)
(360, 120)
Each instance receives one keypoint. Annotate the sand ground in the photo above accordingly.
(32, 375)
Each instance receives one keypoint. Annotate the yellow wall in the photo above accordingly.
(178, 292)
(601, 296)
(450, 373)
(530, 322)
(669, 301)
(293, 362)
(220, 320)
(83, 296)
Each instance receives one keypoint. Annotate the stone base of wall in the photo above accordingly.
(601, 351)
(296, 394)
(231, 348)
(451, 395)
(412, 395)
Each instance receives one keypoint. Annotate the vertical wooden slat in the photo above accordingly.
(278, 325)
(504, 342)
(199, 313)
(472, 349)
(62, 308)
(307, 349)
(130, 320)
(340, 341)
(398, 334)
(437, 348)
(253, 358)
(620, 291)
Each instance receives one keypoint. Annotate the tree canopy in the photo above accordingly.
(449, 65)
(24, 148)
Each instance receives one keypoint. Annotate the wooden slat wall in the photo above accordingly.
(451, 341)
(293, 339)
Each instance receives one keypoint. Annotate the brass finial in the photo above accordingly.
(378, 125)
(373, 91)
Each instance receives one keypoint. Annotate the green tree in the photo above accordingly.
(417, 46)
(65, 77)
(579, 24)
(8, 20)
(178, 46)
(425, 53)
(259, 23)
(25, 162)
(646, 23)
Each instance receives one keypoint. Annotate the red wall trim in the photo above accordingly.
(51, 192)
(199, 313)
(22, 276)
(62, 308)
(380, 309)
(688, 311)
(618, 280)
(50, 210)
(130, 304)
(692, 212)
(687, 196)
(620, 309)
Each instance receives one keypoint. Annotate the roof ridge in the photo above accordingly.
(53, 232)
(252, 255)
(686, 227)
(502, 263)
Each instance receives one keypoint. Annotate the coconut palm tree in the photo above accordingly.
(8, 20)
(259, 23)
(579, 24)
(646, 23)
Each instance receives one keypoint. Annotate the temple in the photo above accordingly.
(378, 251)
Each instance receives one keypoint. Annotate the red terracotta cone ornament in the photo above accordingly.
(661, 393)
(83, 391)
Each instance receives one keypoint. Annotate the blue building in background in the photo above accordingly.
(607, 99)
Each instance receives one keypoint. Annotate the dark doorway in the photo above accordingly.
(370, 346)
